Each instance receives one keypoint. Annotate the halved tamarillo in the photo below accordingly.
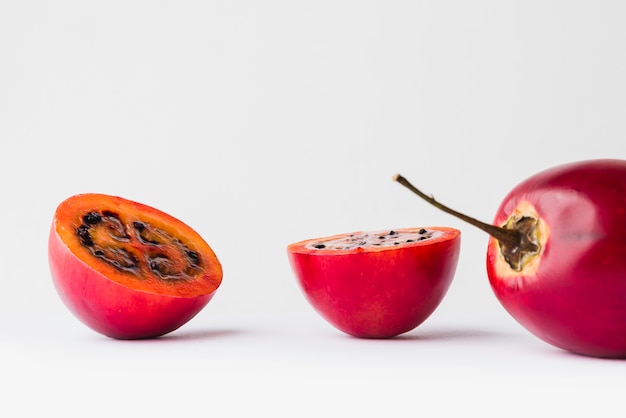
(127, 270)
(556, 258)
(377, 284)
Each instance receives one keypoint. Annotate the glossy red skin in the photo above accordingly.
(576, 300)
(110, 308)
(382, 294)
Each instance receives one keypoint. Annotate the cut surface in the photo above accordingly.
(387, 238)
(137, 246)
(380, 240)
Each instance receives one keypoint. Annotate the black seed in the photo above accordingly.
(381, 237)
(92, 218)
(396, 243)
(421, 238)
(422, 231)
(410, 240)
(362, 243)
(193, 256)
(139, 226)
(392, 232)
(99, 253)
(319, 246)
(110, 214)
(150, 241)
(83, 233)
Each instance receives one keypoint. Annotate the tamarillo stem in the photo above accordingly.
(510, 237)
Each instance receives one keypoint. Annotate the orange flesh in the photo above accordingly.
(137, 246)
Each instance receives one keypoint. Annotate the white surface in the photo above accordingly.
(265, 123)
(296, 365)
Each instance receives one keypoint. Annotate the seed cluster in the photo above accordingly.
(373, 239)
(137, 247)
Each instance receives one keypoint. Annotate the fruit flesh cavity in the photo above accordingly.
(137, 246)
(387, 238)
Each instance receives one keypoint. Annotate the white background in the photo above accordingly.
(261, 123)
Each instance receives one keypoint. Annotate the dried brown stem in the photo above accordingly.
(509, 237)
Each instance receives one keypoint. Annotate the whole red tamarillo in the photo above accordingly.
(556, 258)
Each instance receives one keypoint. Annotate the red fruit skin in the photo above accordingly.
(110, 308)
(575, 298)
(377, 294)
